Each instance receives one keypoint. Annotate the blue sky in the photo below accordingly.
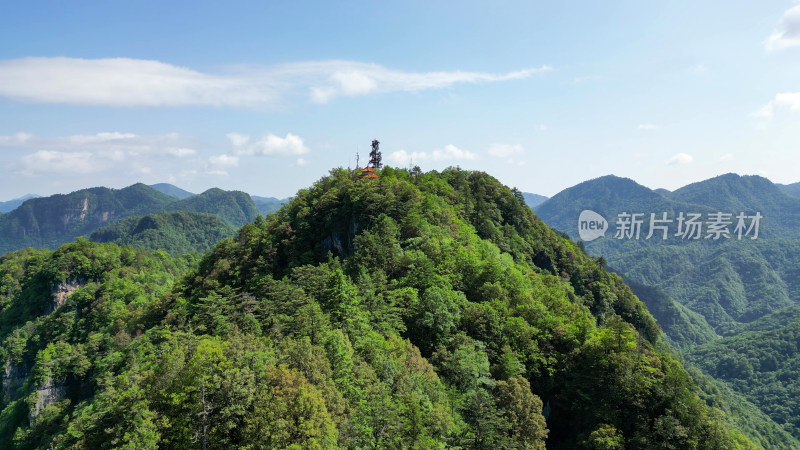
(266, 97)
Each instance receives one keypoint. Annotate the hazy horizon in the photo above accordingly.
(292, 194)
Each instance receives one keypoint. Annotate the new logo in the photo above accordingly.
(591, 225)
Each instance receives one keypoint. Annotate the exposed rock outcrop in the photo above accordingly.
(14, 377)
(46, 395)
(61, 292)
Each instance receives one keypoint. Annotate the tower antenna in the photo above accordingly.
(375, 155)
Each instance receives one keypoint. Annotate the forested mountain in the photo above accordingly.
(609, 196)
(176, 232)
(761, 360)
(700, 288)
(267, 205)
(11, 205)
(233, 207)
(51, 221)
(735, 193)
(410, 311)
(171, 190)
(684, 327)
(791, 189)
(726, 280)
(533, 199)
(48, 222)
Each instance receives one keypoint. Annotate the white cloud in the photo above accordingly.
(224, 161)
(353, 78)
(787, 33)
(83, 139)
(82, 154)
(504, 150)
(218, 164)
(272, 145)
(113, 152)
(789, 100)
(238, 139)
(15, 139)
(680, 158)
(402, 158)
(181, 152)
(130, 82)
(125, 82)
(350, 82)
(726, 157)
(57, 162)
(451, 152)
(170, 143)
(648, 126)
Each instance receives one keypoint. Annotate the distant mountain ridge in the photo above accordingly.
(51, 221)
(13, 204)
(791, 189)
(267, 205)
(699, 290)
(48, 222)
(725, 280)
(171, 190)
(749, 193)
(533, 200)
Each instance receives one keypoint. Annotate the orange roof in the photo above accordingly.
(368, 169)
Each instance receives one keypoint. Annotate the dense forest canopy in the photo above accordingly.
(175, 232)
(414, 310)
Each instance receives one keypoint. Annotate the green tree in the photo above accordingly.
(523, 410)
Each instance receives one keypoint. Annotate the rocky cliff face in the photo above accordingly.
(14, 377)
(46, 395)
(61, 292)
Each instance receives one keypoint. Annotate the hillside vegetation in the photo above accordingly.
(176, 232)
(233, 207)
(425, 311)
(710, 297)
(762, 361)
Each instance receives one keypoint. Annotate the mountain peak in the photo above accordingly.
(172, 190)
(597, 194)
(616, 186)
(733, 192)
